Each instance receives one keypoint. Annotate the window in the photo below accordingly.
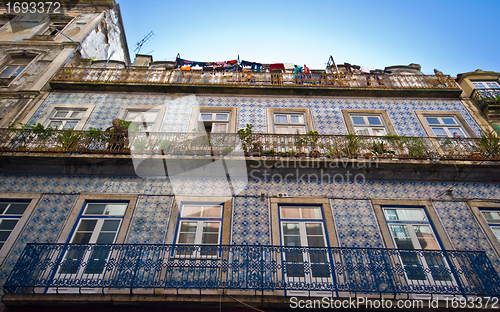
(289, 123)
(10, 214)
(302, 226)
(493, 219)
(144, 119)
(49, 32)
(199, 225)
(13, 66)
(446, 126)
(99, 223)
(486, 84)
(368, 124)
(214, 121)
(411, 229)
(65, 118)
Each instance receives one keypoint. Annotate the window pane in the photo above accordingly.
(69, 125)
(362, 131)
(4, 235)
(432, 121)
(221, 116)
(492, 216)
(3, 206)
(55, 124)
(206, 116)
(379, 132)
(8, 224)
(150, 117)
(16, 209)
(401, 237)
(219, 127)
(315, 241)
(82, 238)
(425, 237)
(311, 213)
(133, 116)
(449, 121)
(440, 132)
(290, 212)
(115, 209)
(300, 129)
(280, 119)
(61, 113)
(297, 119)
(281, 129)
(212, 212)
(6, 73)
(374, 121)
(18, 71)
(106, 238)
(291, 229)
(188, 227)
(314, 229)
(191, 211)
(212, 227)
(358, 120)
(405, 214)
(496, 231)
(291, 241)
(110, 225)
(95, 209)
(210, 238)
(457, 132)
(87, 225)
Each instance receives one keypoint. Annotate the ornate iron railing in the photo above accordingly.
(49, 267)
(488, 101)
(179, 77)
(255, 144)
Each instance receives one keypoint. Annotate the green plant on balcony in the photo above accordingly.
(415, 147)
(68, 139)
(352, 145)
(166, 146)
(246, 138)
(29, 134)
(227, 150)
(490, 143)
(268, 152)
(379, 148)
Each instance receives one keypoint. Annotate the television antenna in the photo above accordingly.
(138, 45)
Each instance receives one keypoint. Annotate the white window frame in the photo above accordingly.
(50, 111)
(291, 127)
(9, 59)
(96, 231)
(423, 115)
(200, 221)
(17, 197)
(214, 122)
(64, 120)
(446, 127)
(481, 85)
(371, 129)
(493, 224)
(143, 108)
(409, 225)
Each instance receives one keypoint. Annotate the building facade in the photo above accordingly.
(247, 185)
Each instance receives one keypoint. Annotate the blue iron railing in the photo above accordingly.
(43, 267)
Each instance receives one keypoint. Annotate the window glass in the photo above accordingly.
(10, 213)
(493, 219)
(289, 123)
(368, 124)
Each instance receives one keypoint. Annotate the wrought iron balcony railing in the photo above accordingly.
(487, 100)
(52, 267)
(255, 144)
(179, 77)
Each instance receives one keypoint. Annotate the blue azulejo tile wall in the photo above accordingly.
(356, 224)
(43, 226)
(149, 224)
(250, 222)
(326, 112)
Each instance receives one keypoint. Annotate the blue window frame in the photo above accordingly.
(10, 214)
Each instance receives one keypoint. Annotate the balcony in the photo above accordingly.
(101, 268)
(172, 144)
(488, 100)
(251, 82)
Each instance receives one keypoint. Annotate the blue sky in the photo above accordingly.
(454, 36)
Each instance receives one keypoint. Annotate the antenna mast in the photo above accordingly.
(138, 45)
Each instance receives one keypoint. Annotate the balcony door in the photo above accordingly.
(411, 230)
(83, 260)
(303, 226)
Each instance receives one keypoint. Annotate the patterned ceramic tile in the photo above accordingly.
(250, 224)
(150, 221)
(326, 112)
(44, 226)
(356, 224)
